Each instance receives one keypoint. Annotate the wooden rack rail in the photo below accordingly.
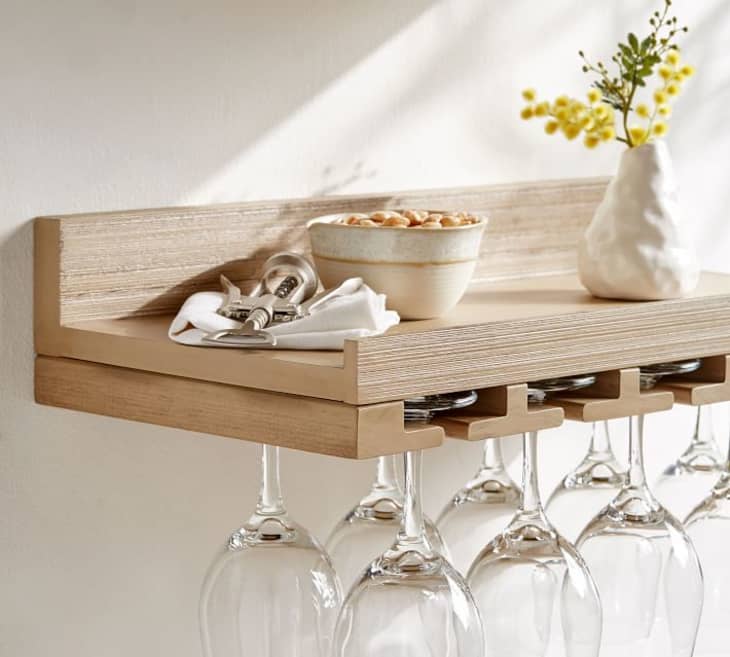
(106, 286)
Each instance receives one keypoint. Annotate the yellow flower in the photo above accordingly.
(679, 77)
(571, 131)
(672, 58)
(660, 128)
(527, 112)
(587, 123)
(664, 110)
(607, 133)
(529, 95)
(660, 96)
(562, 101)
(638, 134)
(643, 110)
(591, 141)
(601, 112)
(594, 96)
(665, 72)
(551, 127)
(673, 89)
(562, 114)
(687, 70)
(542, 109)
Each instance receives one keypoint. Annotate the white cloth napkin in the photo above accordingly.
(353, 310)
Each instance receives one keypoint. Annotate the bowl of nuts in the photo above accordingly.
(422, 260)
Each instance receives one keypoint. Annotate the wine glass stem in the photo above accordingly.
(492, 456)
(530, 492)
(637, 475)
(412, 529)
(600, 443)
(386, 478)
(703, 434)
(270, 502)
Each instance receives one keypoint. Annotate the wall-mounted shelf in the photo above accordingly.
(106, 286)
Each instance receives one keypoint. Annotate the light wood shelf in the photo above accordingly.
(106, 286)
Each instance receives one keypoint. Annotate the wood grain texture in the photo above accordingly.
(524, 330)
(303, 423)
(498, 412)
(708, 385)
(145, 262)
(615, 394)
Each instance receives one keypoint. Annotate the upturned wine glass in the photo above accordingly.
(588, 487)
(533, 590)
(645, 567)
(272, 590)
(687, 481)
(480, 509)
(708, 525)
(410, 601)
(371, 526)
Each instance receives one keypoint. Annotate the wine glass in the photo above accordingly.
(479, 510)
(687, 481)
(533, 590)
(708, 525)
(588, 487)
(410, 601)
(645, 567)
(272, 590)
(371, 526)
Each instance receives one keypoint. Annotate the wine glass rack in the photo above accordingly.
(108, 284)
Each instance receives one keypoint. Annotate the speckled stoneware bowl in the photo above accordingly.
(423, 272)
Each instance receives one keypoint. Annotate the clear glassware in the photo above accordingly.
(687, 481)
(371, 526)
(272, 590)
(410, 601)
(588, 487)
(708, 525)
(479, 510)
(646, 569)
(533, 590)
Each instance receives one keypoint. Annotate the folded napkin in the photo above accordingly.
(352, 310)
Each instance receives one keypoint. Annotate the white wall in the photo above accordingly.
(106, 527)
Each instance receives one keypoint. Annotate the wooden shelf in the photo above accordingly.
(708, 385)
(107, 285)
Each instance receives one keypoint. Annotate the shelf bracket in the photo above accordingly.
(498, 412)
(708, 385)
(615, 394)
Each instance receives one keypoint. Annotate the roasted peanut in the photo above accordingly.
(367, 222)
(431, 224)
(397, 222)
(449, 221)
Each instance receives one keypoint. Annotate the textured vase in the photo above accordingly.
(637, 246)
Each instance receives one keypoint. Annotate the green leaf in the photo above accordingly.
(625, 50)
(633, 42)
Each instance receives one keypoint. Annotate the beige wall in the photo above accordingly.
(106, 527)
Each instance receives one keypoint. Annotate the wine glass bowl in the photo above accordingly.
(534, 592)
(586, 489)
(272, 589)
(410, 601)
(644, 565)
(480, 509)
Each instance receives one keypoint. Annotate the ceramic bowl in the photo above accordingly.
(424, 273)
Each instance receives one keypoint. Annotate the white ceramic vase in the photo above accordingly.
(637, 246)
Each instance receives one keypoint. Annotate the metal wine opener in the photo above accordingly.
(264, 306)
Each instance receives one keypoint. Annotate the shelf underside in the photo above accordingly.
(501, 333)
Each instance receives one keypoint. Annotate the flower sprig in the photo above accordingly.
(614, 96)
